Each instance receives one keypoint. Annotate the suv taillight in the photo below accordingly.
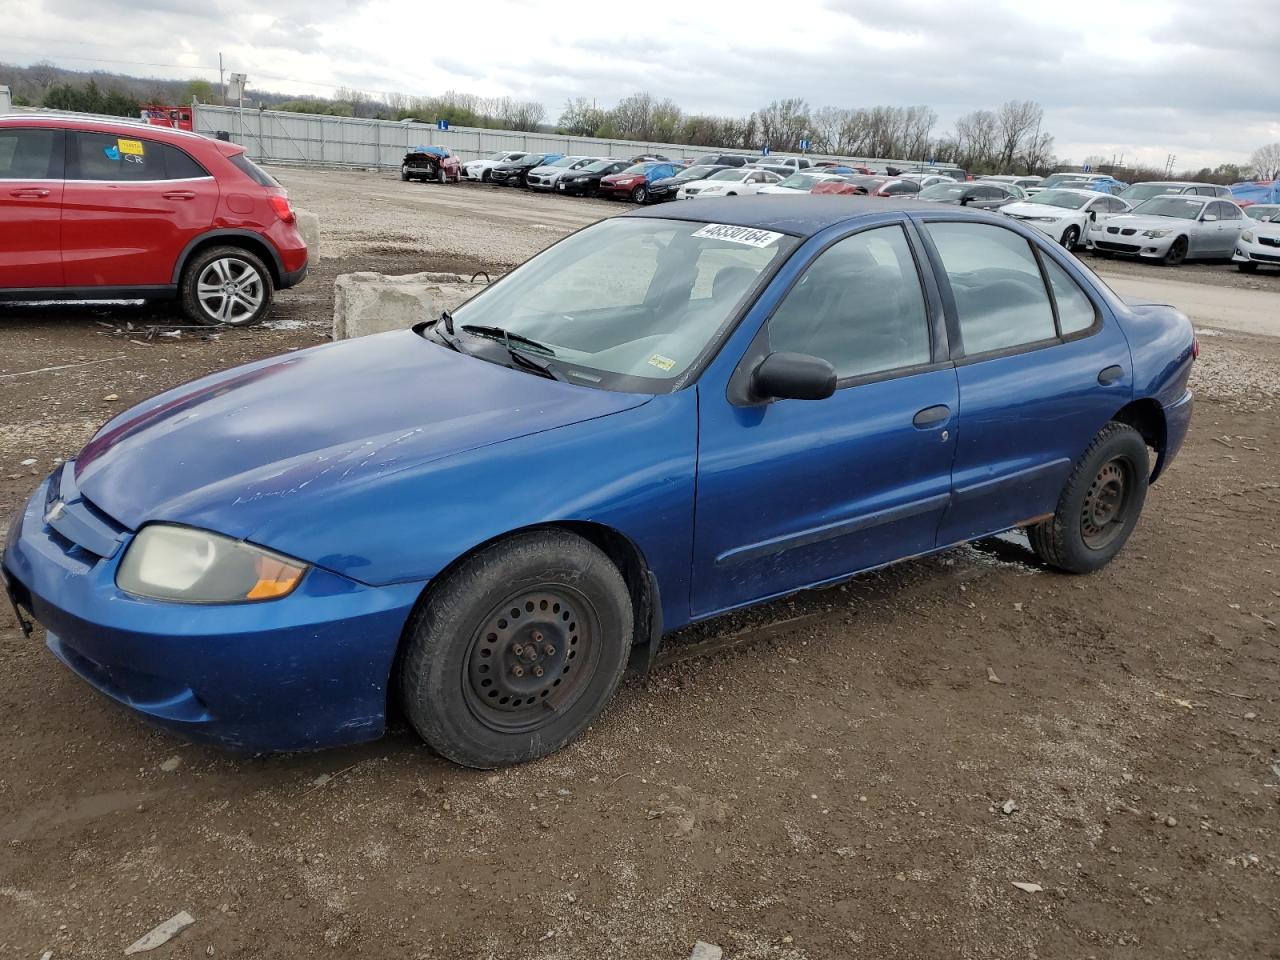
(281, 206)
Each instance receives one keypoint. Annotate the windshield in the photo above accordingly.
(696, 173)
(1262, 211)
(733, 173)
(563, 162)
(630, 303)
(801, 181)
(1060, 198)
(1064, 179)
(638, 168)
(599, 166)
(1145, 191)
(942, 191)
(1183, 208)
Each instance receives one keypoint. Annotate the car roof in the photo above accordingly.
(100, 125)
(1083, 193)
(1172, 183)
(801, 216)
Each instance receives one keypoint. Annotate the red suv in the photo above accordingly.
(96, 210)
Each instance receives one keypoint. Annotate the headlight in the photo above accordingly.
(167, 562)
(1156, 234)
(1247, 236)
(1043, 219)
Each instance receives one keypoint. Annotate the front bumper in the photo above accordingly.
(307, 671)
(1153, 248)
(1256, 252)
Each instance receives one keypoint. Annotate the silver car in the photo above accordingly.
(1171, 229)
(548, 175)
(1165, 188)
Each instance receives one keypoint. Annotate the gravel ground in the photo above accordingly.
(820, 777)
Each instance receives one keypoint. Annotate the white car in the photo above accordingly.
(1023, 183)
(1065, 215)
(736, 181)
(793, 163)
(801, 182)
(548, 175)
(1259, 244)
(479, 169)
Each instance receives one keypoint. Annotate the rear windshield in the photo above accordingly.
(254, 172)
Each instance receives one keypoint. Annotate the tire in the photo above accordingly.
(484, 176)
(552, 596)
(730, 194)
(1177, 252)
(212, 273)
(1247, 266)
(442, 175)
(1100, 505)
(639, 194)
(404, 171)
(1071, 238)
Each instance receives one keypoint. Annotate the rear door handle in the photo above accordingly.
(29, 193)
(931, 416)
(1110, 375)
(180, 195)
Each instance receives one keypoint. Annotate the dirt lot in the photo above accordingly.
(820, 778)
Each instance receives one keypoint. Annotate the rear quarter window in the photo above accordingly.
(253, 171)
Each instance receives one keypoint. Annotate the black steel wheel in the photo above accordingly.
(531, 658)
(1100, 505)
(516, 650)
(1177, 252)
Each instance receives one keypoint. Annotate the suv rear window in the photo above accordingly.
(253, 171)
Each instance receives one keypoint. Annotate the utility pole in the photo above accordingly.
(222, 84)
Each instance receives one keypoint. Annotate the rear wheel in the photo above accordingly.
(518, 650)
(1177, 252)
(1100, 504)
(1071, 238)
(226, 285)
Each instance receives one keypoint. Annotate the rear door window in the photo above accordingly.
(114, 158)
(30, 154)
(1000, 295)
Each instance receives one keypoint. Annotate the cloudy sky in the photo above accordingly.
(1142, 78)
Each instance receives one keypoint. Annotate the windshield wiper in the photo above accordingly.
(521, 359)
(507, 337)
(444, 334)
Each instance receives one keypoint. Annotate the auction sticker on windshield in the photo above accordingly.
(747, 235)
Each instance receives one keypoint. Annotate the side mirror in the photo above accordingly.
(1093, 214)
(965, 201)
(793, 376)
(1209, 217)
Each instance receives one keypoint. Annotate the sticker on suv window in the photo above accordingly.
(130, 147)
(661, 362)
(745, 235)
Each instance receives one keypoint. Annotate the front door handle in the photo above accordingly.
(180, 195)
(29, 193)
(1110, 375)
(931, 416)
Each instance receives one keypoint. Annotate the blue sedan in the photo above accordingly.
(663, 417)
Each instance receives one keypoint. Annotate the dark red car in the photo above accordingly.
(633, 182)
(102, 210)
(864, 186)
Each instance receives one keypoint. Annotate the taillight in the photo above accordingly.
(1195, 347)
(281, 206)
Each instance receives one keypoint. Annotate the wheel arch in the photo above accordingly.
(245, 239)
(1147, 417)
(642, 585)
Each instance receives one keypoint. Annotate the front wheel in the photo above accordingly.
(1100, 505)
(404, 171)
(1246, 266)
(1177, 252)
(1071, 238)
(484, 177)
(518, 650)
(442, 175)
(639, 194)
(226, 285)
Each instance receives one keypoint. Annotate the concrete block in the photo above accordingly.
(309, 227)
(365, 303)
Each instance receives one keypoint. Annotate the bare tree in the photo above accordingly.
(1016, 120)
(1266, 162)
(784, 123)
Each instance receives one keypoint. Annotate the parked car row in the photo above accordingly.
(1168, 221)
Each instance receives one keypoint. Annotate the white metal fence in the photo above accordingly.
(286, 137)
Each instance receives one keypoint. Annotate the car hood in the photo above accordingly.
(1144, 222)
(1021, 209)
(235, 450)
